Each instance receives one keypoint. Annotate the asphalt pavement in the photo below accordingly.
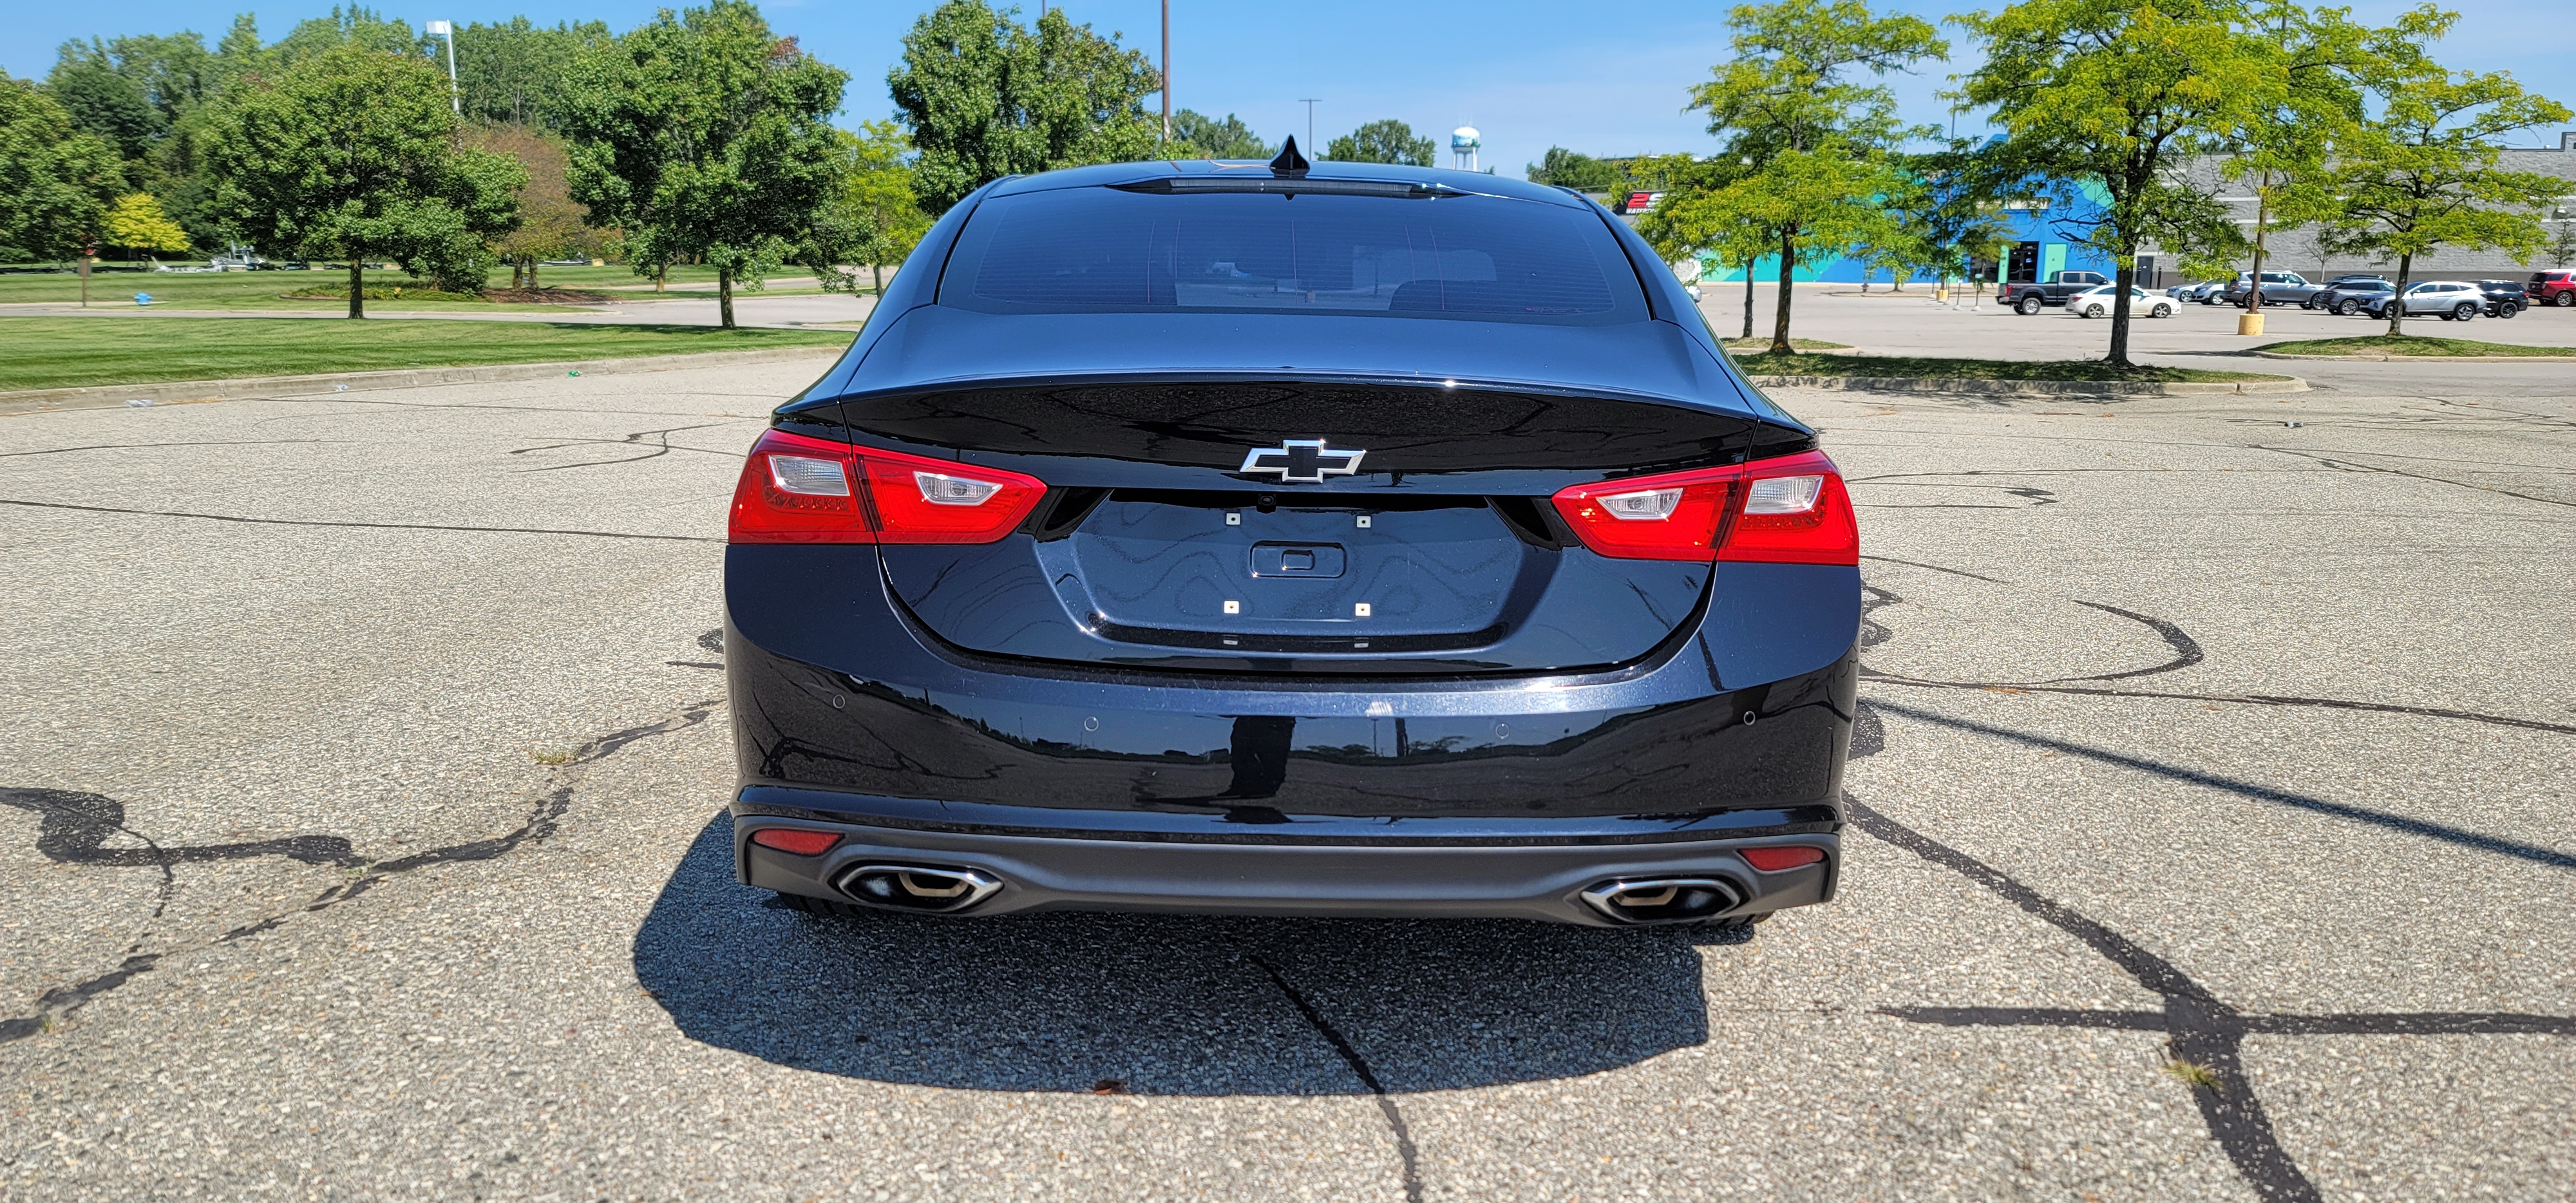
(361, 837)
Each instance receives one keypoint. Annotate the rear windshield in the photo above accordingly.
(1478, 258)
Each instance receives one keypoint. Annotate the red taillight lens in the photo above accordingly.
(1773, 860)
(1793, 510)
(1669, 517)
(1790, 510)
(801, 843)
(796, 489)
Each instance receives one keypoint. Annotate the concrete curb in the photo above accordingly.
(181, 392)
(2030, 388)
(2418, 358)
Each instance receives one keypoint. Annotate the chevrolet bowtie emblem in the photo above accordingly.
(1302, 461)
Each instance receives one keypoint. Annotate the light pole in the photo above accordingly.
(455, 98)
(1167, 72)
(1310, 102)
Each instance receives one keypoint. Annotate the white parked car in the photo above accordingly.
(2451, 300)
(2098, 302)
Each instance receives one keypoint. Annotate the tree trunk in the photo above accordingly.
(724, 296)
(877, 274)
(2397, 299)
(661, 276)
(2262, 215)
(1748, 298)
(1780, 314)
(357, 288)
(532, 273)
(2124, 272)
(514, 273)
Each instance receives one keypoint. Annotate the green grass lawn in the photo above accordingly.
(2381, 344)
(1982, 369)
(1740, 345)
(65, 352)
(113, 286)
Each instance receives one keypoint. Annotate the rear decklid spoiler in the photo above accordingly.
(935, 347)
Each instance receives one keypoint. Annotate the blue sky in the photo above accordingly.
(1600, 77)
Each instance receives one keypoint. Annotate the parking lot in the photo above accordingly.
(365, 756)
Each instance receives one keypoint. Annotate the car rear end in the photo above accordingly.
(1368, 546)
(2556, 287)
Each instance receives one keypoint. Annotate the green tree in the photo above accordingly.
(2562, 249)
(985, 97)
(138, 224)
(550, 223)
(1197, 135)
(513, 72)
(703, 136)
(104, 101)
(1708, 208)
(872, 216)
(56, 182)
(1822, 144)
(352, 154)
(1574, 169)
(356, 25)
(2117, 95)
(2424, 172)
(1387, 141)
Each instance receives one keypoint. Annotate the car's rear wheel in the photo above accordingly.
(2507, 309)
(2567, 299)
(2092, 311)
(2346, 308)
(2028, 305)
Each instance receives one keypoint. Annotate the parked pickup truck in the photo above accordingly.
(2028, 297)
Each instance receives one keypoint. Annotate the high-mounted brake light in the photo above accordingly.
(796, 489)
(1789, 510)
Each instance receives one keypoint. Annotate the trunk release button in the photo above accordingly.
(1312, 560)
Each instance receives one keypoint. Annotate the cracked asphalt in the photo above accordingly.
(361, 837)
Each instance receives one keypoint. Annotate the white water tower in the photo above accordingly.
(1463, 142)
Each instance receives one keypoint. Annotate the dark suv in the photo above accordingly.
(1330, 540)
(2347, 295)
(2505, 298)
(2279, 288)
(2554, 288)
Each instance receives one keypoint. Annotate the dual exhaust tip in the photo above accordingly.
(925, 889)
(1663, 899)
(918, 888)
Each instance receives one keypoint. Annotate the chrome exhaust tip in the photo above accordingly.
(917, 888)
(1662, 899)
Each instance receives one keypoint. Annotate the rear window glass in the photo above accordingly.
(1103, 250)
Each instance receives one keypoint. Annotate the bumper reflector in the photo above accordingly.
(1773, 860)
(800, 843)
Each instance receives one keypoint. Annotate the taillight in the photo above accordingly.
(1790, 510)
(796, 489)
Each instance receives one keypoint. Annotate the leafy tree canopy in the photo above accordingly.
(872, 217)
(2424, 173)
(1574, 169)
(352, 155)
(1820, 144)
(986, 97)
(513, 72)
(703, 136)
(56, 182)
(138, 224)
(550, 223)
(1387, 141)
(1199, 136)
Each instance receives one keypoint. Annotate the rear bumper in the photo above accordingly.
(1102, 788)
(1532, 876)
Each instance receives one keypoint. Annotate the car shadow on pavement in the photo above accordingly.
(1171, 1005)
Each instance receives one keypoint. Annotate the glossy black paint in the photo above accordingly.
(834, 688)
(1063, 700)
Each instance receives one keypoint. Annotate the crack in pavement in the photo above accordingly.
(1404, 1149)
(490, 530)
(2357, 466)
(657, 449)
(72, 826)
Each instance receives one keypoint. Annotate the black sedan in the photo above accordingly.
(1273, 538)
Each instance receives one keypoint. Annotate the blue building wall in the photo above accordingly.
(2056, 249)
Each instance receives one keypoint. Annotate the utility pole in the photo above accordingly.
(1167, 72)
(455, 98)
(1310, 102)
